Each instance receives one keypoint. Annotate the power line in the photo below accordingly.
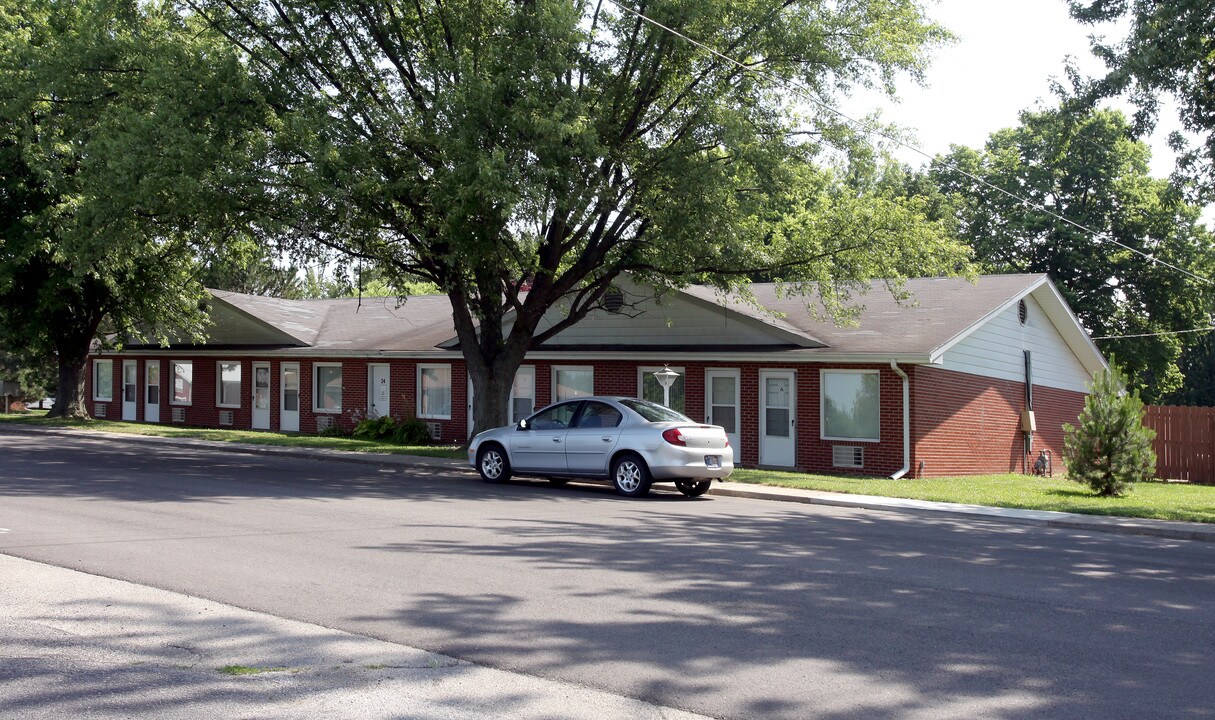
(1155, 334)
(868, 130)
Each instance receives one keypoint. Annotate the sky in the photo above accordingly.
(1006, 53)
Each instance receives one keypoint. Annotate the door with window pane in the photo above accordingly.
(130, 389)
(722, 388)
(151, 392)
(777, 441)
(289, 412)
(261, 396)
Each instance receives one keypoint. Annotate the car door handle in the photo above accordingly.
(607, 438)
(556, 439)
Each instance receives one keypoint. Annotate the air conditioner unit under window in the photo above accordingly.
(848, 456)
(226, 417)
(436, 430)
(99, 410)
(179, 414)
(324, 422)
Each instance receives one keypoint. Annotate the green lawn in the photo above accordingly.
(1164, 501)
(253, 437)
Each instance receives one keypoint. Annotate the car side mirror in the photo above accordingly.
(523, 424)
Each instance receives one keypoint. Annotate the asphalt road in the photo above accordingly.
(729, 607)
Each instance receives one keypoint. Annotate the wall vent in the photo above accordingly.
(436, 430)
(99, 410)
(179, 414)
(847, 456)
(324, 422)
(226, 417)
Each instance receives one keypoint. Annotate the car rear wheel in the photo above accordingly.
(693, 488)
(493, 464)
(630, 476)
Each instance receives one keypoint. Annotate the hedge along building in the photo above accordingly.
(948, 383)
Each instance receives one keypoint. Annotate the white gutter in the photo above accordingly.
(894, 365)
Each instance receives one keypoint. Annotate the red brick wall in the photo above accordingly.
(961, 424)
(965, 424)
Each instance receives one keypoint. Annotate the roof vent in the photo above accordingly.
(1022, 312)
(613, 299)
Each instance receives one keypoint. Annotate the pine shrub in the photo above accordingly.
(1111, 448)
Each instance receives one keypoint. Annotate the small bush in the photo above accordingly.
(1111, 448)
(410, 431)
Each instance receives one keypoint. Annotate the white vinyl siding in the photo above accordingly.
(996, 350)
(103, 380)
(434, 392)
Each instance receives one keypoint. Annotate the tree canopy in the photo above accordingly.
(522, 155)
(114, 118)
(1170, 50)
(1116, 219)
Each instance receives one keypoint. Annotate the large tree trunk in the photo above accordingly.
(73, 337)
(70, 401)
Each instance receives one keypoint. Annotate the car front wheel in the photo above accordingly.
(630, 476)
(493, 464)
(693, 488)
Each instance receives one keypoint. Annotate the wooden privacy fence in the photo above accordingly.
(1185, 442)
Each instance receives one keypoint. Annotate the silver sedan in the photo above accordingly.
(631, 442)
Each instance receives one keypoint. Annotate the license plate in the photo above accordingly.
(712, 461)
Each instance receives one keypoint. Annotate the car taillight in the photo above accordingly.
(674, 436)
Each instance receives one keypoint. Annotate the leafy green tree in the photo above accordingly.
(549, 146)
(1090, 172)
(1110, 448)
(247, 266)
(35, 375)
(116, 117)
(1169, 51)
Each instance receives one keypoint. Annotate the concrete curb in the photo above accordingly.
(1173, 530)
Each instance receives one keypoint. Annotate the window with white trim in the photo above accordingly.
(648, 387)
(103, 379)
(849, 408)
(183, 382)
(572, 382)
(523, 394)
(327, 387)
(227, 390)
(434, 392)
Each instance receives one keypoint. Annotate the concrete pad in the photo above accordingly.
(82, 646)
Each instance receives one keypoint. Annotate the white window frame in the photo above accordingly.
(173, 390)
(316, 388)
(219, 383)
(421, 391)
(556, 369)
(109, 396)
(822, 404)
(650, 370)
(523, 370)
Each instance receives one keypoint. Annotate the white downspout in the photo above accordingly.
(894, 365)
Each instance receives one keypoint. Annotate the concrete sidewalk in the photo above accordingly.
(74, 645)
(1202, 532)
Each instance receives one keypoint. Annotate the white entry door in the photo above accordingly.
(151, 391)
(289, 412)
(377, 390)
(261, 396)
(130, 389)
(721, 387)
(777, 440)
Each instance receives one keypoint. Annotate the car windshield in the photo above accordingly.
(654, 412)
